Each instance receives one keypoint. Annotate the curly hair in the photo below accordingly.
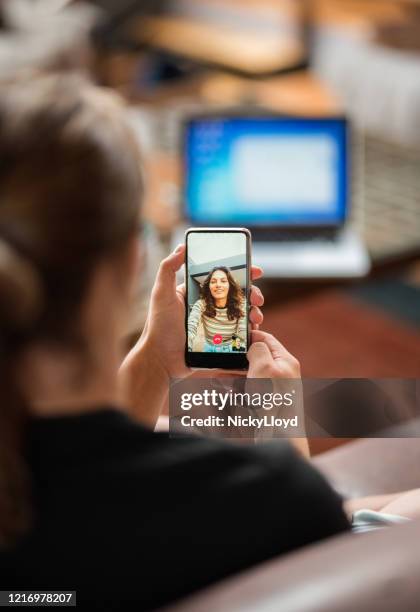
(234, 297)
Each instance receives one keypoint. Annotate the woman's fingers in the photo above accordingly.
(166, 276)
(256, 316)
(279, 352)
(256, 272)
(260, 360)
(256, 297)
(276, 347)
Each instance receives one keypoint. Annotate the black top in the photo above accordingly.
(129, 517)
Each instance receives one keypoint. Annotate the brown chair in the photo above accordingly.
(364, 572)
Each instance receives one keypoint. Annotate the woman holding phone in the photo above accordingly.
(221, 310)
(91, 499)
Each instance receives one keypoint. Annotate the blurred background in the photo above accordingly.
(270, 60)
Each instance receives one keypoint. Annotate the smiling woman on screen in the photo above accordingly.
(220, 309)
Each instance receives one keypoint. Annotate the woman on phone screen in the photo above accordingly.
(221, 311)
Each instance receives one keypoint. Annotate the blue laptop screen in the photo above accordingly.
(266, 171)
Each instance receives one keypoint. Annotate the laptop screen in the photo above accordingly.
(266, 171)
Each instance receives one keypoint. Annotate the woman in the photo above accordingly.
(220, 310)
(90, 499)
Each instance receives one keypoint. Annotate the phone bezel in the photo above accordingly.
(225, 361)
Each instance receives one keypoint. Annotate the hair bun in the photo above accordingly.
(20, 290)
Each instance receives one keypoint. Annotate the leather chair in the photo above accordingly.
(365, 572)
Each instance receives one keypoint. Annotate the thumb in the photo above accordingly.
(166, 276)
(259, 356)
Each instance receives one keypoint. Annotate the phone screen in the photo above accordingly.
(217, 282)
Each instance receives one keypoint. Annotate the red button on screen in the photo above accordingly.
(217, 339)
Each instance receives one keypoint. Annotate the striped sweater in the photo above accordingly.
(220, 324)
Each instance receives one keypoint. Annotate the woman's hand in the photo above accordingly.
(268, 358)
(164, 332)
(159, 353)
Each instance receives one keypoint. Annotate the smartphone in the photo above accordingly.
(217, 278)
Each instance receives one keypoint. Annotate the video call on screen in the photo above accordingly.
(217, 284)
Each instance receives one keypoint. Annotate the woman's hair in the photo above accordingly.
(70, 192)
(234, 297)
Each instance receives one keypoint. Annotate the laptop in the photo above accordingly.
(284, 178)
